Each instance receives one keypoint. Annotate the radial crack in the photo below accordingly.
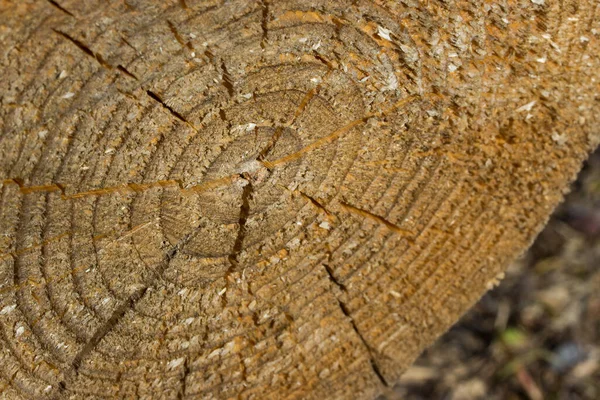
(126, 72)
(314, 202)
(178, 36)
(227, 81)
(107, 327)
(83, 47)
(170, 109)
(333, 279)
(60, 8)
(366, 214)
(322, 59)
(96, 56)
(346, 312)
(243, 218)
(130, 45)
(219, 64)
(100, 333)
(271, 144)
(378, 372)
(263, 23)
(120, 311)
(186, 372)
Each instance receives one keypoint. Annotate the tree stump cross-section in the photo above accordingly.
(271, 199)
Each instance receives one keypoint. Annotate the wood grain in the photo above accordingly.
(271, 199)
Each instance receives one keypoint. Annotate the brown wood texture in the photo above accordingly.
(276, 199)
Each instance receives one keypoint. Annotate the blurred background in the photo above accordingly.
(537, 335)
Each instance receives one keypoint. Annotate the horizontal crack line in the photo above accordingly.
(125, 189)
(133, 188)
(117, 237)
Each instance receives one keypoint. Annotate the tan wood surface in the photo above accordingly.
(271, 199)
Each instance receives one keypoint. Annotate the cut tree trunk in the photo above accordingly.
(271, 199)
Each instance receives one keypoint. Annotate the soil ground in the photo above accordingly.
(537, 335)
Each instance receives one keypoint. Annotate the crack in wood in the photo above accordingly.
(209, 54)
(100, 333)
(314, 202)
(263, 23)
(83, 47)
(220, 66)
(299, 110)
(226, 79)
(340, 132)
(120, 311)
(61, 8)
(170, 109)
(346, 312)
(322, 59)
(126, 72)
(118, 380)
(127, 43)
(226, 121)
(369, 215)
(183, 383)
(247, 194)
(379, 374)
(96, 56)
(219, 182)
(333, 278)
(178, 36)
